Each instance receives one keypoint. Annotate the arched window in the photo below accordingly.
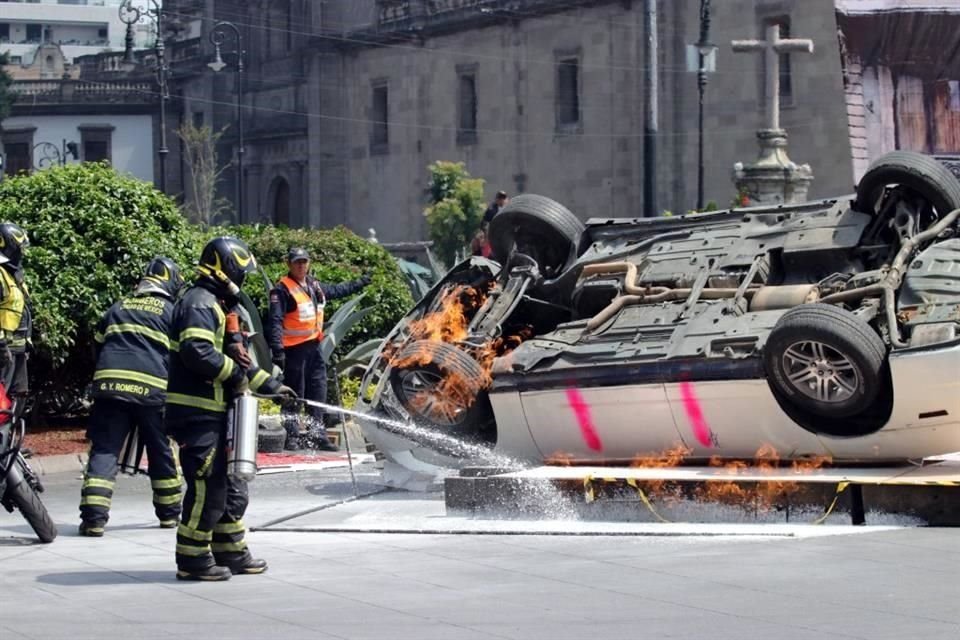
(280, 201)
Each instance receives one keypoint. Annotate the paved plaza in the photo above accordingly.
(764, 581)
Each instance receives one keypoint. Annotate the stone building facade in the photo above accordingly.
(347, 101)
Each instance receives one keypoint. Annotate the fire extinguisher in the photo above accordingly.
(131, 453)
(242, 437)
(242, 424)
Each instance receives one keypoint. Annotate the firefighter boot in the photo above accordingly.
(246, 564)
(91, 529)
(212, 573)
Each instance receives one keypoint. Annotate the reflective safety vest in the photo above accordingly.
(305, 322)
(11, 304)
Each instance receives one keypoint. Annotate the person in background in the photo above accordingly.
(499, 202)
(295, 333)
(13, 242)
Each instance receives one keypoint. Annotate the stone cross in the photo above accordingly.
(772, 48)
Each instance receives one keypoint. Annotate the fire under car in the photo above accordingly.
(824, 329)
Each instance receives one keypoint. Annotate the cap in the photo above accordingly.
(297, 253)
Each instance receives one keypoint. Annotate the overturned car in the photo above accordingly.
(830, 328)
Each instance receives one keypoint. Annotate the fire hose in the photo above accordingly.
(320, 405)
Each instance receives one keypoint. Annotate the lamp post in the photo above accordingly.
(705, 55)
(218, 34)
(51, 154)
(131, 14)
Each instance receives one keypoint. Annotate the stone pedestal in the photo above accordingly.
(773, 179)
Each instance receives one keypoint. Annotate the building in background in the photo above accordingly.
(346, 102)
(29, 30)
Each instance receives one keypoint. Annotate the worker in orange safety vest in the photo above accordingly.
(295, 333)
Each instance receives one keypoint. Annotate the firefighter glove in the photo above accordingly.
(286, 392)
(239, 353)
(365, 280)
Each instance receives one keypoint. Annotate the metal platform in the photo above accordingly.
(927, 494)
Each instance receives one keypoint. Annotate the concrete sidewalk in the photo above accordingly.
(872, 583)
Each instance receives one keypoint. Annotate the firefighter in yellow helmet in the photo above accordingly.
(14, 328)
(208, 368)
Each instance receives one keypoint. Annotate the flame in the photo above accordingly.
(761, 495)
(449, 323)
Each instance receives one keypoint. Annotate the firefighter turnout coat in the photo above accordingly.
(134, 350)
(201, 374)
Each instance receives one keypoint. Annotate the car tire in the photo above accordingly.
(921, 173)
(826, 361)
(539, 227)
(462, 410)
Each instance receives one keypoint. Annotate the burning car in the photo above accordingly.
(823, 329)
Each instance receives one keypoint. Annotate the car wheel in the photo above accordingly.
(825, 360)
(920, 173)
(442, 386)
(539, 227)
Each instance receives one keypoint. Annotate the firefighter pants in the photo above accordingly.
(211, 530)
(305, 373)
(110, 423)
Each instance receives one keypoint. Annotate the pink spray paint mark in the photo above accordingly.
(582, 410)
(694, 414)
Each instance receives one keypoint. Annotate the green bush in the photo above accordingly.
(92, 232)
(456, 209)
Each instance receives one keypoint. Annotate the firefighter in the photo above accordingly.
(12, 299)
(129, 389)
(210, 367)
(296, 331)
(13, 241)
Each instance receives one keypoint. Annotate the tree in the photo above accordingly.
(456, 208)
(200, 149)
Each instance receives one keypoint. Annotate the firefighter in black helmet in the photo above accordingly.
(129, 388)
(210, 367)
(15, 324)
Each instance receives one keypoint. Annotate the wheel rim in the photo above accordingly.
(821, 372)
(422, 391)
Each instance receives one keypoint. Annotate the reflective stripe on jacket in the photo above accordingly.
(11, 304)
(305, 322)
(134, 350)
(201, 374)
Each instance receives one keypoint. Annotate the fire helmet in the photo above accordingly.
(163, 274)
(226, 261)
(13, 240)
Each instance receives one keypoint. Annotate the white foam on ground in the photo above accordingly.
(398, 513)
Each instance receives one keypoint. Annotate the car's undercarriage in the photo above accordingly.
(812, 297)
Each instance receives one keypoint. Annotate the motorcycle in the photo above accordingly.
(19, 484)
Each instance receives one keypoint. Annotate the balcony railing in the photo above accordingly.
(393, 14)
(80, 91)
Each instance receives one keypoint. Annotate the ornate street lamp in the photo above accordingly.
(131, 14)
(706, 56)
(218, 35)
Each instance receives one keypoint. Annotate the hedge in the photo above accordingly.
(92, 232)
